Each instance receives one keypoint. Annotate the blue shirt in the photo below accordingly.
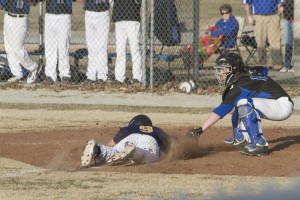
(96, 5)
(59, 6)
(16, 6)
(263, 7)
(229, 29)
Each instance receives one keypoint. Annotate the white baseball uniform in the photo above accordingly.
(146, 148)
(126, 15)
(97, 30)
(14, 31)
(57, 38)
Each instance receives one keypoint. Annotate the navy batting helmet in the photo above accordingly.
(228, 64)
(140, 120)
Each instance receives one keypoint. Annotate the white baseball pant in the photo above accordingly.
(57, 42)
(274, 109)
(146, 148)
(14, 31)
(97, 31)
(128, 30)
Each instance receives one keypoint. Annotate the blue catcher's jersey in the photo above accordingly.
(96, 5)
(59, 6)
(16, 6)
(163, 140)
(245, 85)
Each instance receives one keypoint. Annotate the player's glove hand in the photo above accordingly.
(196, 132)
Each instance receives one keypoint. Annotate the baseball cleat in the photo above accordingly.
(235, 142)
(228, 141)
(32, 76)
(65, 80)
(91, 151)
(49, 81)
(14, 79)
(258, 151)
(125, 155)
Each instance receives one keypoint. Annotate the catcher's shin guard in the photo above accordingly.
(239, 137)
(251, 124)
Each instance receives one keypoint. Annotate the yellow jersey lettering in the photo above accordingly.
(146, 129)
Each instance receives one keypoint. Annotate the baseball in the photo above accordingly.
(185, 86)
(192, 84)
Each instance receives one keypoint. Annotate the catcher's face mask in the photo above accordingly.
(222, 72)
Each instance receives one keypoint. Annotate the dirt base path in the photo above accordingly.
(41, 149)
(62, 149)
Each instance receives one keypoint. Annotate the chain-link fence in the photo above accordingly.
(153, 43)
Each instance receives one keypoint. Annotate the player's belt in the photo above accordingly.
(16, 15)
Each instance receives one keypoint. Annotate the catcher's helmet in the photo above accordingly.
(228, 64)
(140, 120)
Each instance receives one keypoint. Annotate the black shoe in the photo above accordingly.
(116, 82)
(100, 82)
(65, 79)
(89, 82)
(48, 80)
(135, 81)
(258, 151)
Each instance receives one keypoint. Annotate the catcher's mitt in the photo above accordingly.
(196, 132)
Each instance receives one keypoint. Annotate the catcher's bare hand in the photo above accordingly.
(196, 132)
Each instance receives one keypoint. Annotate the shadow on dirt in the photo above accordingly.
(184, 148)
(284, 142)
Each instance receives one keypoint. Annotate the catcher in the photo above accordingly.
(139, 142)
(251, 95)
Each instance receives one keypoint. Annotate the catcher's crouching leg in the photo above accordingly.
(250, 123)
(240, 137)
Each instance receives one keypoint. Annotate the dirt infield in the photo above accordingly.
(61, 150)
(41, 149)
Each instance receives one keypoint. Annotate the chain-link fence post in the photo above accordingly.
(41, 32)
(151, 41)
(144, 40)
(297, 35)
(196, 39)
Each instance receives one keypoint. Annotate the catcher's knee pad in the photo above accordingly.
(250, 121)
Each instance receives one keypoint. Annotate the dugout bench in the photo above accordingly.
(83, 52)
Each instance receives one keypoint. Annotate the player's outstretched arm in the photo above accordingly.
(213, 118)
(196, 132)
